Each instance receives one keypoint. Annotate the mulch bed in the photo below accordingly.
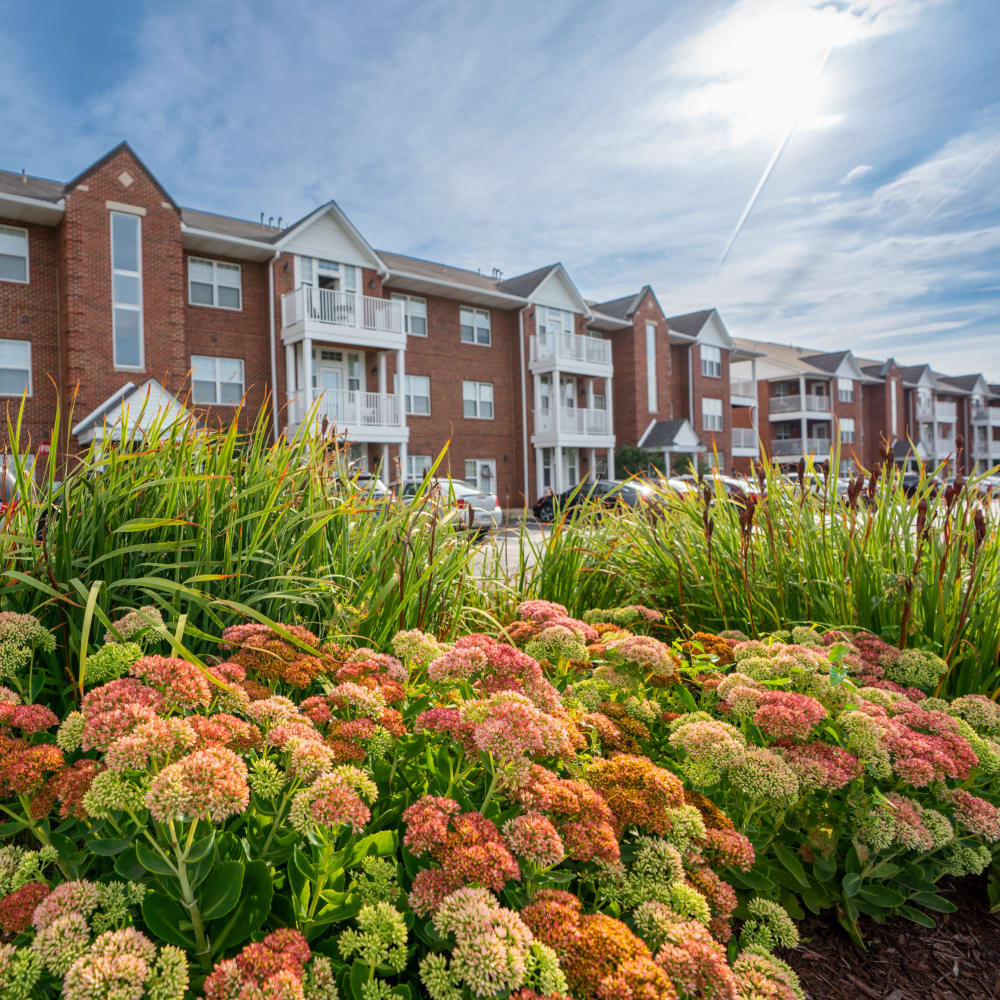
(959, 960)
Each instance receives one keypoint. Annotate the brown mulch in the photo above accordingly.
(958, 960)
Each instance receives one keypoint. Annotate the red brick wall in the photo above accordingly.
(688, 376)
(88, 330)
(31, 312)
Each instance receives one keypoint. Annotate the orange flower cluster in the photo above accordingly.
(600, 957)
(637, 791)
(272, 658)
(713, 816)
(708, 644)
(578, 813)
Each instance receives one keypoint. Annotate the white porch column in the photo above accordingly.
(539, 479)
(611, 417)
(557, 470)
(666, 462)
(382, 376)
(401, 403)
(803, 426)
(611, 463)
(291, 415)
(556, 418)
(307, 373)
(592, 462)
(385, 472)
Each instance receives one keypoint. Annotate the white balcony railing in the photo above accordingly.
(744, 437)
(979, 413)
(796, 403)
(577, 420)
(945, 412)
(945, 445)
(925, 409)
(793, 446)
(327, 305)
(570, 347)
(347, 408)
(743, 387)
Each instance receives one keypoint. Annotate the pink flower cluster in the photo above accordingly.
(821, 765)
(182, 684)
(209, 784)
(976, 814)
(457, 664)
(509, 669)
(157, 739)
(29, 719)
(533, 837)
(116, 708)
(787, 714)
(644, 654)
(467, 846)
(270, 968)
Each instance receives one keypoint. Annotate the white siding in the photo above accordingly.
(712, 333)
(554, 292)
(327, 239)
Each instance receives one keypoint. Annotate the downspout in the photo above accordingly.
(274, 356)
(691, 384)
(524, 403)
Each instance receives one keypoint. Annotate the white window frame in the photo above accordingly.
(475, 392)
(847, 430)
(215, 265)
(408, 302)
(845, 390)
(710, 419)
(475, 316)
(711, 360)
(413, 462)
(16, 231)
(128, 306)
(893, 414)
(474, 479)
(29, 391)
(409, 395)
(651, 387)
(546, 464)
(219, 365)
(550, 320)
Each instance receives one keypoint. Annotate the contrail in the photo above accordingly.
(768, 170)
(954, 194)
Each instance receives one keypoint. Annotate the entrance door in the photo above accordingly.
(329, 382)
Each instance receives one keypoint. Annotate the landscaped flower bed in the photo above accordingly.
(563, 807)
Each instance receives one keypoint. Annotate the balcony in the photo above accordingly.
(342, 317)
(945, 412)
(744, 441)
(779, 407)
(979, 413)
(945, 445)
(571, 352)
(925, 409)
(578, 425)
(743, 392)
(361, 416)
(786, 447)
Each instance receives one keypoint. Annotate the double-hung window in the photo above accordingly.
(417, 394)
(711, 414)
(475, 326)
(481, 473)
(13, 254)
(414, 314)
(845, 390)
(847, 430)
(418, 467)
(126, 290)
(477, 400)
(15, 367)
(651, 393)
(552, 321)
(711, 361)
(216, 381)
(215, 283)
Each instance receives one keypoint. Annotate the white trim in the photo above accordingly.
(104, 407)
(128, 306)
(406, 298)
(118, 206)
(333, 208)
(475, 327)
(645, 433)
(215, 284)
(478, 401)
(218, 382)
(444, 283)
(29, 392)
(27, 256)
(23, 199)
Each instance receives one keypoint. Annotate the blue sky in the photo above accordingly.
(623, 139)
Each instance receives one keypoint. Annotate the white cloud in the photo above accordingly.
(856, 173)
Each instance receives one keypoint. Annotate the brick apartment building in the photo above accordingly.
(117, 302)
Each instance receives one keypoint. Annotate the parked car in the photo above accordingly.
(608, 493)
(8, 489)
(480, 510)
(912, 482)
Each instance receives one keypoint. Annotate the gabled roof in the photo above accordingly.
(623, 308)
(26, 186)
(332, 208)
(523, 285)
(141, 406)
(405, 264)
(966, 382)
(122, 147)
(670, 435)
(827, 362)
(913, 373)
(225, 225)
(690, 323)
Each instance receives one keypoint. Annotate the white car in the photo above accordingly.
(479, 510)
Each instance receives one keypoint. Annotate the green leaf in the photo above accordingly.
(359, 978)
(166, 919)
(127, 866)
(885, 870)
(220, 892)
(250, 913)
(755, 880)
(150, 860)
(687, 698)
(917, 916)
(791, 862)
(200, 848)
(851, 883)
(106, 846)
(932, 901)
(882, 895)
